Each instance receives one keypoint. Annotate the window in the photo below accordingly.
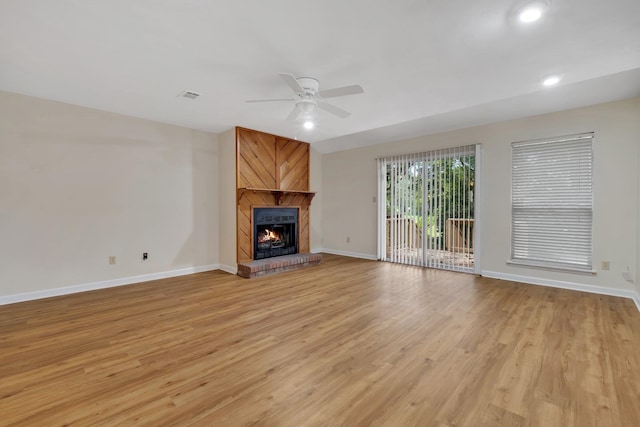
(551, 202)
(426, 208)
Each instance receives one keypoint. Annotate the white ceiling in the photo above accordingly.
(425, 65)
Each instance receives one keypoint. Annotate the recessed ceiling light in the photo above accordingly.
(308, 124)
(551, 80)
(532, 12)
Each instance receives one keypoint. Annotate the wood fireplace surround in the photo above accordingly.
(271, 171)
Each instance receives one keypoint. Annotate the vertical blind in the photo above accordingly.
(551, 193)
(425, 208)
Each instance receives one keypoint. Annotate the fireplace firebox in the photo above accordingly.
(275, 232)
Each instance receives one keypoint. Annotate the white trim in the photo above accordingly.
(228, 269)
(47, 293)
(381, 209)
(565, 285)
(477, 212)
(636, 299)
(550, 266)
(345, 253)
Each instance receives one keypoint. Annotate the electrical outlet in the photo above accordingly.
(145, 256)
(374, 199)
(605, 265)
(112, 259)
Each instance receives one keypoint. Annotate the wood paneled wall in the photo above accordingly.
(292, 165)
(270, 162)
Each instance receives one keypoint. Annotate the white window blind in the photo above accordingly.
(551, 193)
(426, 208)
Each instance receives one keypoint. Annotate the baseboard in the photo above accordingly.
(228, 269)
(47, 293)
(636, 299)
(564, 285)
(345, 253)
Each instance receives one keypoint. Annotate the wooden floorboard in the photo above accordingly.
(348, 343)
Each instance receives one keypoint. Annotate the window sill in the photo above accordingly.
(550, 267)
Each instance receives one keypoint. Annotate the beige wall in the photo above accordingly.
(349, 185)
(637, 278)
(228, 219)
(78, 185)
(315, 211)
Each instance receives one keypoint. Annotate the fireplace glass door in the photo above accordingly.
(275, 232)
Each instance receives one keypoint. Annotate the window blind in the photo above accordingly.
(552, 198)
(426, 208)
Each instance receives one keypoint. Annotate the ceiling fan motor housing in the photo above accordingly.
(307, 103)
(309, 84)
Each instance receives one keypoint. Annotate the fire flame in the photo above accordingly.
(268, 236)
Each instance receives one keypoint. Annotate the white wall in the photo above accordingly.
(349, 185)
(78, 185)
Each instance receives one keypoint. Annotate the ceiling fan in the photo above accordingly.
(308, 96)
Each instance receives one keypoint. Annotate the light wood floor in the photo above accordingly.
(348, 343)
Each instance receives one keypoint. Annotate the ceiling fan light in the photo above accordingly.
(551, 81)
(532, 12)
(306, 106)
(530, 15)
(308, 124)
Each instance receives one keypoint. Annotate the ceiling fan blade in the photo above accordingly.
(341, 91)
(269, 100)
(293, 115)
(290, 80)
(334, 110)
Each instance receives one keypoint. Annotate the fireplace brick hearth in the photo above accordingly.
(277, 264)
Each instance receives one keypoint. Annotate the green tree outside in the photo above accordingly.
(447, 187)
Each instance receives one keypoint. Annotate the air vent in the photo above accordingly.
(189, 94)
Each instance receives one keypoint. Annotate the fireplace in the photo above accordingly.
(275, 232)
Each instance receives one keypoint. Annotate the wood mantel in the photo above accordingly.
(277, 194)
(270, 171)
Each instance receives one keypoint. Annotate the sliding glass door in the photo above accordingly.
(426, 208)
